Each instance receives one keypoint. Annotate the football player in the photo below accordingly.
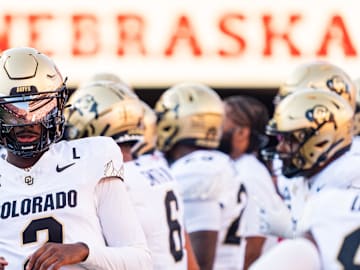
(243, 137)
(315, 75)
(146, 151)
(154, 192)
(314, 128)
(58, 198)
(190, 116)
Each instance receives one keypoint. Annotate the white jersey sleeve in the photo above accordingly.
(355, 146)
(201, 179)
(124, 250)
(200, 174)
(333, 217)
(294, 254)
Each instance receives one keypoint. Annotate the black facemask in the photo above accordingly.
(226, 141)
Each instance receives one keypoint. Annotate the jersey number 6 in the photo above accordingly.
(174, 226)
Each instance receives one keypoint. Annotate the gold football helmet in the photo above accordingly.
(32, 94)
(357, 111)
(105, 76)
(313, 126)
(190, 113)
(319, 75)
(150, 135)
(105, 108)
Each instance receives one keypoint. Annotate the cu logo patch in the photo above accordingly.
(29, 180)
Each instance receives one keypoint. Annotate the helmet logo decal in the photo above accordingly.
(29, 180)
(174, 110)
(320, 115)
(87, 103)
(338, 85)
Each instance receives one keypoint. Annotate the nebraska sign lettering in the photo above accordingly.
(159, 42)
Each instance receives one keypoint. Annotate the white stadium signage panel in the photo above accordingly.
(225, 43)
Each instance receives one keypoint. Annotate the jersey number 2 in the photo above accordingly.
(51, 225)
(231, 235)
(174, 226)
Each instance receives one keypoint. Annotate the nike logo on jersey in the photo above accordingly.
(60, 169)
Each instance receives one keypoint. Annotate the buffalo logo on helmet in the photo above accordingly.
(86, 103)
(166, 110)
(320, 115)
(338, 85)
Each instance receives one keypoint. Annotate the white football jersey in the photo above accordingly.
(256, 178)
(341, 173)
(293, 191)
(355, 146)
(3, 152)
(333, 218)
(214, 199)
(159, 206)
(57, 200)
